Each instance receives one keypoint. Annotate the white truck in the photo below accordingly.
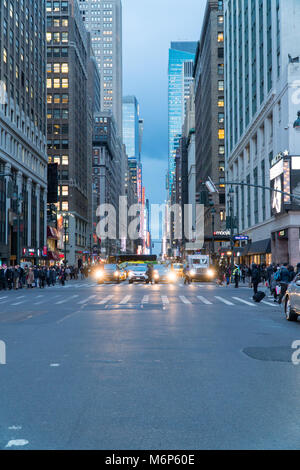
(200, 268)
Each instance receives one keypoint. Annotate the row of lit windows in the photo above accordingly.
(58, 67)
(57, 98)
(59, 159)
(57, 38)
(57, 83)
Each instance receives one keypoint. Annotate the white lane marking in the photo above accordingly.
(15, 428)
(204, 300)
(20, 297)
(5, 297)
(224, 300)
(19, 303)
(54, 365)
(85, 301)
(184, 299)
(66, 300)
(244, 301)
(39, 296)
(17, 443)
(125, 300)
(165, 300)
(107, 299)
(271, 305)
(145, 299)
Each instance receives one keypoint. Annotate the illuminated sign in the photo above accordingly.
(241, 237)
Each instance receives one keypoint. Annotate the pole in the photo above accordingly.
(213, 237)
(231, 228)
(18, 236)
(65, 242)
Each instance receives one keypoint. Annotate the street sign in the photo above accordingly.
(241, 238)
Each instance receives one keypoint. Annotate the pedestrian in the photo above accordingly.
(186, 273)
(30, 278)
(283, 278)
(149, 273)
(228, 275)
(255, 277)
(236, 276)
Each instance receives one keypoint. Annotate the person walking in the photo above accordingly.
(228, 275)
(186, 273)
(255, 277)
(30, 278)
(284, 278)
(236, 276)
(149, 273)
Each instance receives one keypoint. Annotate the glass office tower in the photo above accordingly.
(181, 59)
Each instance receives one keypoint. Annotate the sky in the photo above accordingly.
(149, 26)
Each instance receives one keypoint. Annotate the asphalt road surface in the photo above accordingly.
(146, 367)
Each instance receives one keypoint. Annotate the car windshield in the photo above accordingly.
(139, 268)
(161, 268)
(110, 267)
(177, 266)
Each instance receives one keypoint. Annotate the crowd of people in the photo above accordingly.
(275, 277)
(27, 276)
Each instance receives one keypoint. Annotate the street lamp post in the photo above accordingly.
(65, 237)
(213, 212)
(231, 192)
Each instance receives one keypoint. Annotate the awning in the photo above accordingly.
(258, 248)
(52, 233)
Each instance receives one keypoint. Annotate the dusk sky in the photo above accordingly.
(149, 26)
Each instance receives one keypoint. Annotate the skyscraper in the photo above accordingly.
(181, 59)
(209, 122)
(69, 139)
(22, 131)
(131, 127)
(262, 77)
(132, 138)
(104, 21)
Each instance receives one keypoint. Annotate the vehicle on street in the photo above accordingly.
(200, 268)
(292, 300)
(178, 269)
(163, 273)
(108, 273)
(137, 273)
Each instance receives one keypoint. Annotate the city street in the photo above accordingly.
(146, 367)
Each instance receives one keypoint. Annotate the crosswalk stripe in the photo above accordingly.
(224, 300)
(268, 303)
(145, 299)
(165, 299)
(204, 300)
(19, 303)
(184, 299)
(244, 301)
(107, 299)
(125, 300)
(5, 297)
(85, 301)
(66, 300)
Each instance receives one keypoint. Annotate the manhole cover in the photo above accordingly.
(272, 354)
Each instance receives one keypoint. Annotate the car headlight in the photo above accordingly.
(192, 272)
(116, 274)
(99, 274)
(172, 277)
(130, 274)
(156, 276)
(211, 273)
